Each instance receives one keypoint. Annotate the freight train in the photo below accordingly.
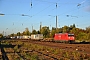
(58, 37)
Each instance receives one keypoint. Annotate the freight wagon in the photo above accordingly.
(37, 36)
(64, 37)
(23, 37)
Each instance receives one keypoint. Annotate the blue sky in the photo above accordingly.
(44, 11)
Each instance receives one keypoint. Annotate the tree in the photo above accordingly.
(26, 32)
(12, 35)
(82, 36)
(75, 31)
(45, 31)
(18, 34)
(88, 29)
(72, 26)
(88, 36)
(1, 36)
(88, 33)
(60, 30)
(38, 32)
(52, 33)
(65, 29)
(34, 32)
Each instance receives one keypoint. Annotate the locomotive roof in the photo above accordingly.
(65, 33)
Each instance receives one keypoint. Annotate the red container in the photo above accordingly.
(64, 37)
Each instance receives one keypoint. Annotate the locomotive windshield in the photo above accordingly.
(70, 34)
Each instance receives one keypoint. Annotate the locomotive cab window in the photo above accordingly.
(70, 34)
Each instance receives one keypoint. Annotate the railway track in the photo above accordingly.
(85, 48)
(4, 56)
(81, 48)
(11, 50)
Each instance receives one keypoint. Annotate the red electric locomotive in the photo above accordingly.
(64, 37)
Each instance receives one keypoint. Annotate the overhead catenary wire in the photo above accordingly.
(72, 16)
(49, 7)
(32, 6)
(72, 10)
(55, 2)
(66, 12)
(42, 10)
(36, 4)
(45, 8)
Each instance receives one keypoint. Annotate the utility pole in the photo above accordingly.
(40, 26)
(56, 22)
(32, 28)
(56, 16)
(3, 33)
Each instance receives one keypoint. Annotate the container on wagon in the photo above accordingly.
(37, 36)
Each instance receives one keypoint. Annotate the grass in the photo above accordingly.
(31, 51)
